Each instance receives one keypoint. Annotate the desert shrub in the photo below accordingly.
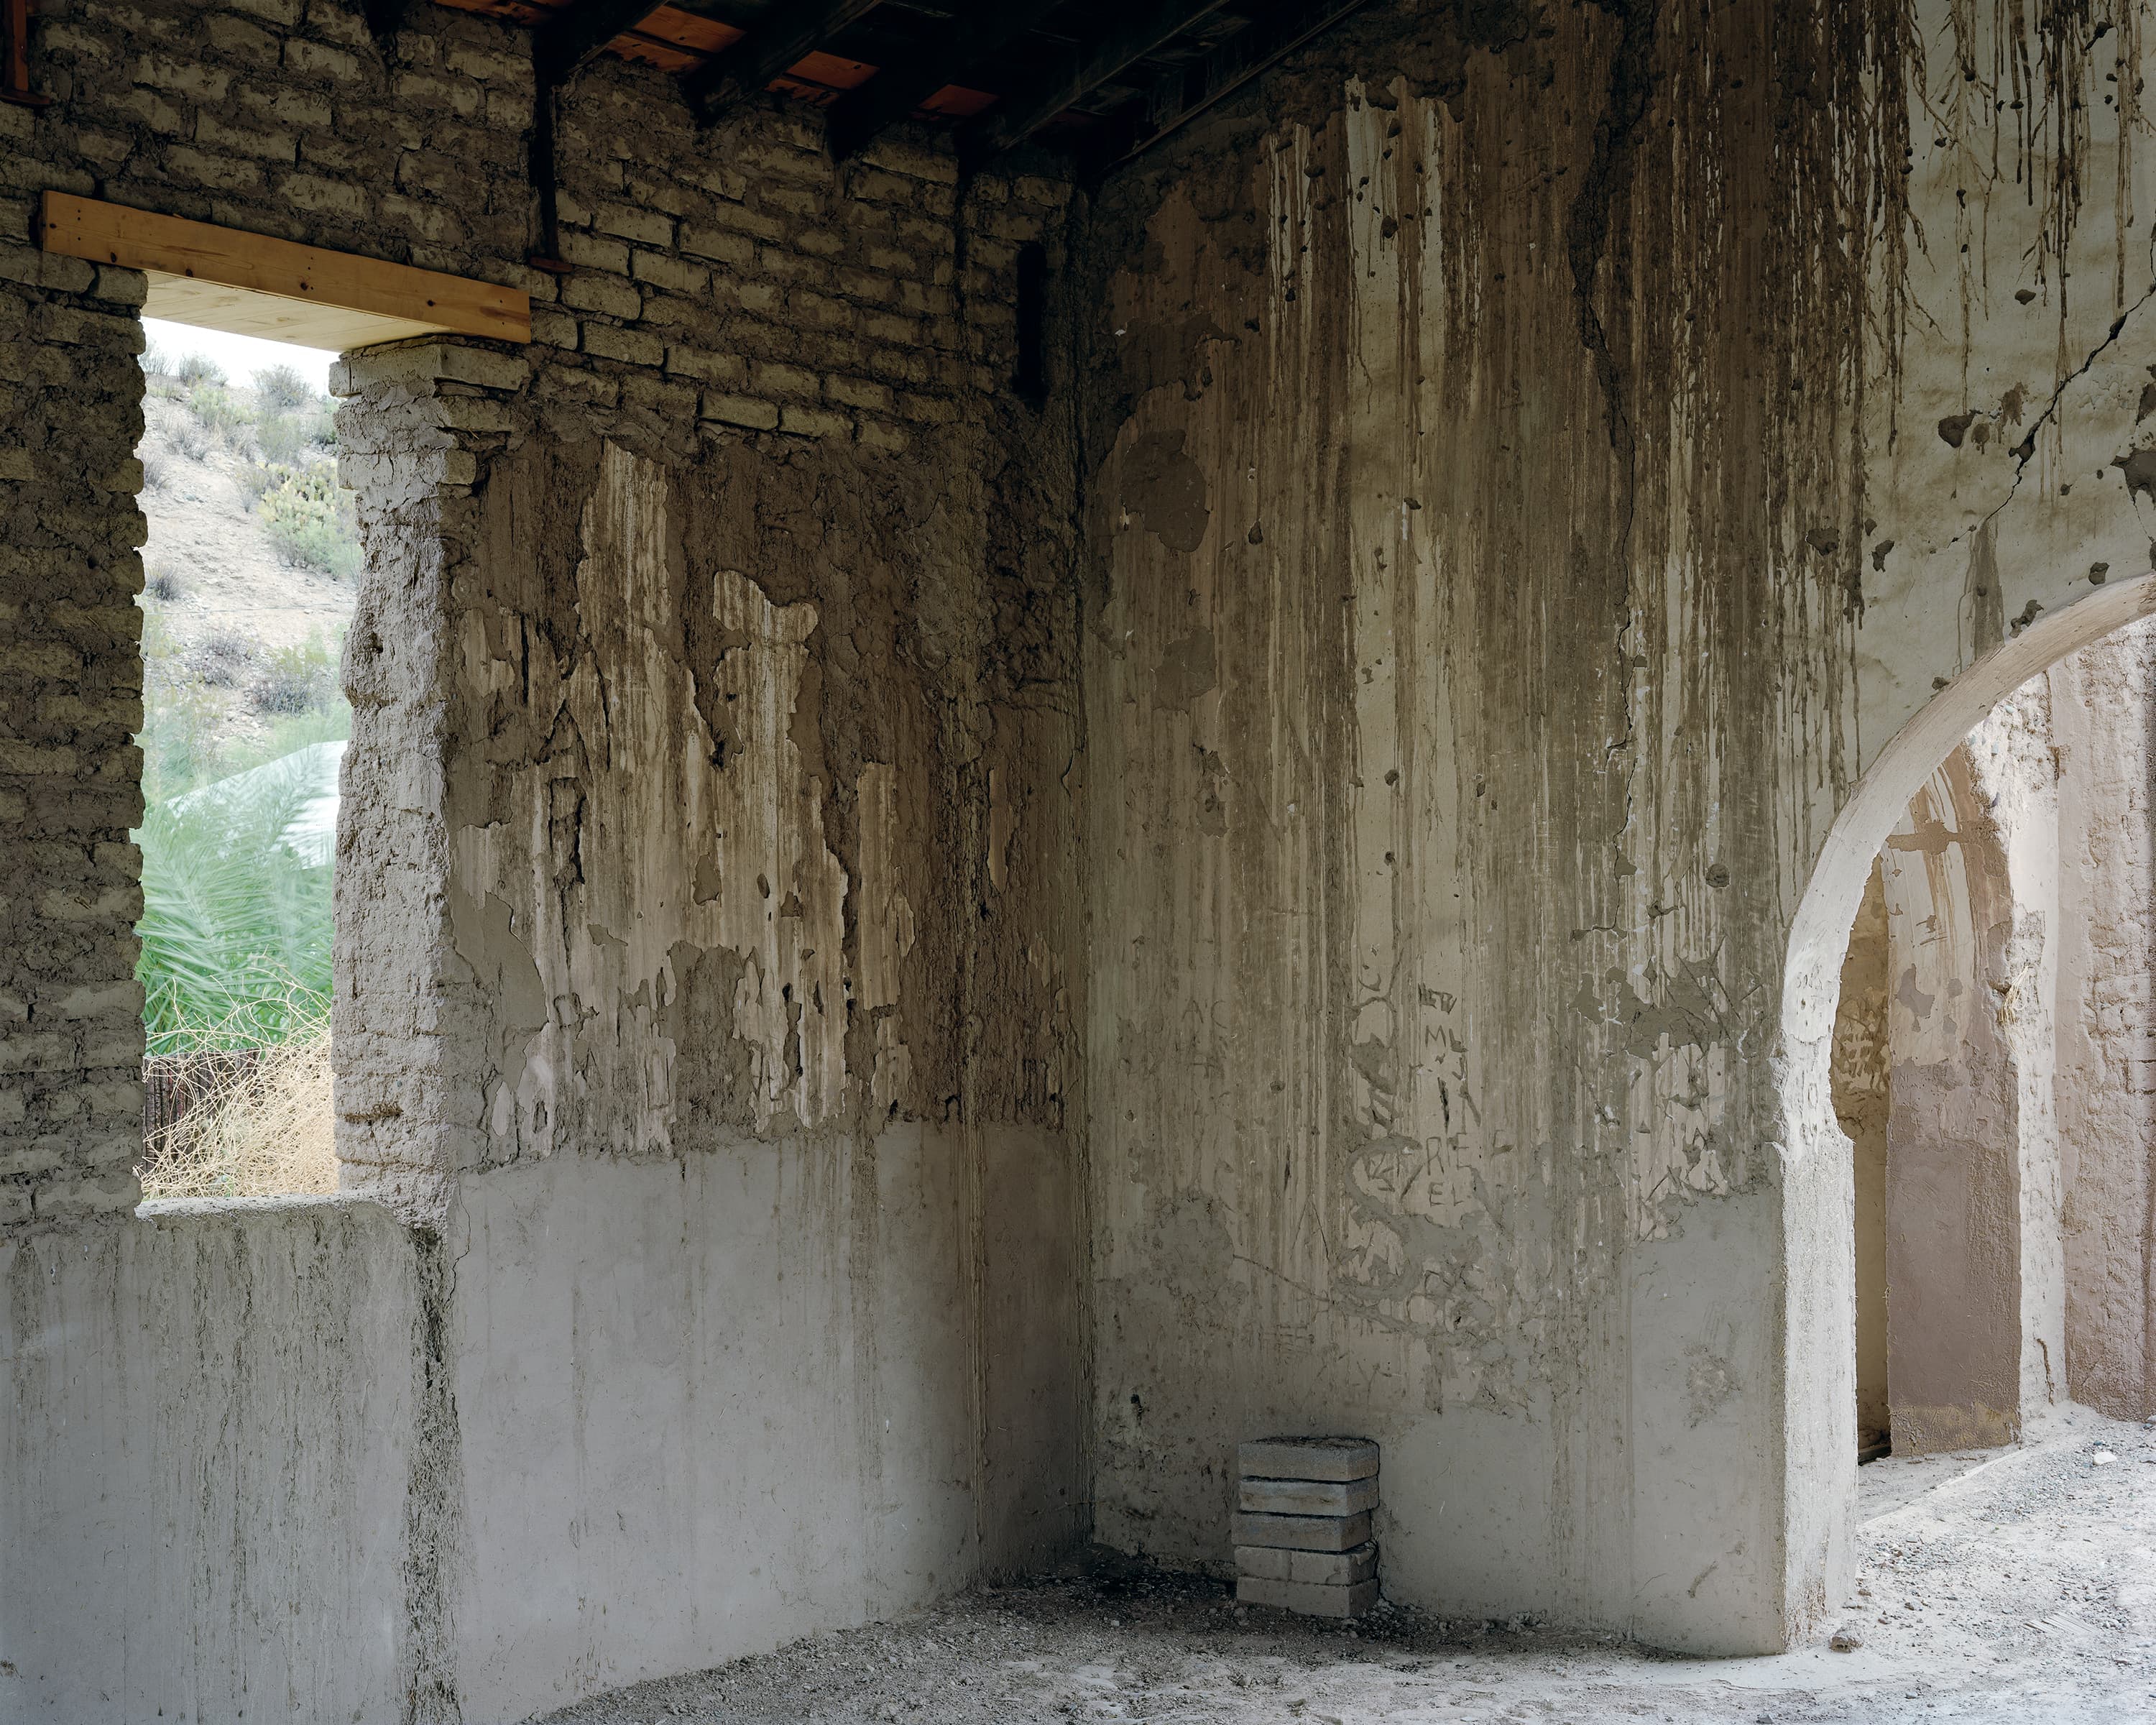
(182, 724)
(154, 360)
(279, 438)
(236, 923)
(311, 521)
(255, 478)
(189, 440)
(225, 659)
(216, 410)
(193, 368)
(291, 440)
(155, 471)
(183, 717)
(162, 585)
(254, 1125)
(296, 679)
(281, 389)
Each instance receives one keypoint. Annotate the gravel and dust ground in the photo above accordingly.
(2015, 1586)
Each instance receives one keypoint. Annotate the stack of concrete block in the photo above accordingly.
(1302, 1525)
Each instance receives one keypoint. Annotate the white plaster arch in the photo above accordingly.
(1818, 936)
(1817, 1282)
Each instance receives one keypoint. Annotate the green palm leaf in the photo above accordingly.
(236, 921)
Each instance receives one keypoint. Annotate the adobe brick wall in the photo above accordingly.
(70, 700)
(730, 289)
(649, 1008)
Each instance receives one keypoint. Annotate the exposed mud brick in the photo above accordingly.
(70, 698)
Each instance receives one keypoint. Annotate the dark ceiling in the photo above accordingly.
(1101, 80)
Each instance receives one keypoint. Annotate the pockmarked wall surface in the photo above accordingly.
(1955, 1156)
(1534, 477)
(1986, 1038)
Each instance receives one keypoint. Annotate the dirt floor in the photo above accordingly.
(2015, 1586)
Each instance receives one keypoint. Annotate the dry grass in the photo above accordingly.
(254, 1130)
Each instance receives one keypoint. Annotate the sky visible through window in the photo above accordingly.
(239, 356)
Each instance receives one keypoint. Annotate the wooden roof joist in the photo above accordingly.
(1136, 31)
(222, 279)
(1108, 80)
(899, 91)
(770, 48)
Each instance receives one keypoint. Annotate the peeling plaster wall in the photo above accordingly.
(1532, 490)
(736, 1060)
(1954, 1281)
(2014, 774)
(708, 994)
(1426, 871)
(2103, 701)
(1514, 546)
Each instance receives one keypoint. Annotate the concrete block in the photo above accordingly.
(1308, 1498)
(1329, 1568)
(1302, 1532)
(1311, 1599)
(1307, 1458)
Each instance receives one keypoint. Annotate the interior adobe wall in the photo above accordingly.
(734, 755)
(707, 893)
(1954, 1126)
(2013, 763)
(1508, 555)
(71, 701)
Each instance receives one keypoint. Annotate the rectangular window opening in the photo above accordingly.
(251, 569)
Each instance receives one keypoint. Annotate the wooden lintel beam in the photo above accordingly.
(898, 89)
(1139, 31)
(572, 39)
(791, 32)
(1266, 40)
(221, 278)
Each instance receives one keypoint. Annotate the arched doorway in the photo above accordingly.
(1923, 798)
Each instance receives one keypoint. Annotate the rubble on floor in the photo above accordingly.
(1999, 1588)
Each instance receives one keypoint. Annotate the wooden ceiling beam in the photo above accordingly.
(898, 89)
(1137, 32)
(792, 30)
(572, 39)
(1266, 40)
(252, 283)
